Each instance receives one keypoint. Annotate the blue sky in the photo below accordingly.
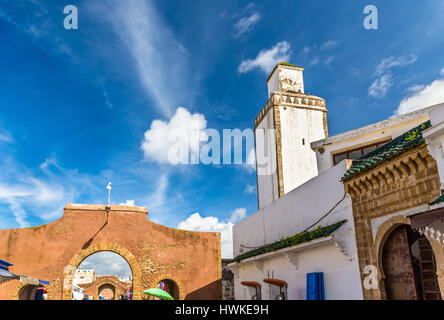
(75, 104)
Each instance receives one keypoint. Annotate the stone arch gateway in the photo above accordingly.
(113, 247)
(53, 251)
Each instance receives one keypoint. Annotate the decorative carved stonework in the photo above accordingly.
(290, 83)
(406, 182)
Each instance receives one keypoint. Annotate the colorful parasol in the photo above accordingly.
(159, 293)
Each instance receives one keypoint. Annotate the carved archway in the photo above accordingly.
(384, 231)
(108, 246)
(383, 234)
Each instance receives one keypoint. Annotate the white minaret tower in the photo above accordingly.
(297, 119)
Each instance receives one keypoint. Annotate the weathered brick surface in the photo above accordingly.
(53, 251)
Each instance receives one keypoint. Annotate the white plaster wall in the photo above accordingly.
(361, 137)
(295, 211)
(290, 215)
(273, 82)
(299, 160)
(435, 145)
(434, 137)
(341, 281)
(437, 114)
(267, 182)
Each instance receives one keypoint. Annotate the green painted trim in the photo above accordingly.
(437, 200)
(307, 236)
(387, 151)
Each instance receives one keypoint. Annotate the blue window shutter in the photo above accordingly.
(315, 286)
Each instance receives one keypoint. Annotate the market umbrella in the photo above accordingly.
(156, 292)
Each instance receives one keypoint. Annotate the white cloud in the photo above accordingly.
(6, 137)
(314, 61)
(212, 224)
(238, 214)
(267, 58)
(384, 75)
(430, 95)
(107, 263)
(107, 102)
(441, 72)
(160, 140)
(390, 62)
(44, 191)
(161, 61)
(415, 88)
(158, 198)
(329, 60)
(249, 189)
(245, 24)
(330, 44)
(130, 203)
(380, 86)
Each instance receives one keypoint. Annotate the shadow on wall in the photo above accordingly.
(212, 291)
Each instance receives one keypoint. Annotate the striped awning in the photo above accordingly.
(6, 275)
(5, 265)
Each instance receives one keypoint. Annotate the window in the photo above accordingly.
(357, 152)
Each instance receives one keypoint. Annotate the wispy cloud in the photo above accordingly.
(245, 24)
(314, 61)
(388, 63)
(161, 61)
(380, 86)
(330, 44)
(5, 136)
(107, 102)
(43, 192)
(38, 22)
(158, 197)
(329, 60)
(249, 189)
(384, 74)
(267, 58)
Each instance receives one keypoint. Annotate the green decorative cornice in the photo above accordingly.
(387, 151)
(307, 236)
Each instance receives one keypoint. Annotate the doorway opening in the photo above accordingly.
(409, 266)
(169, 286)
(104, 275)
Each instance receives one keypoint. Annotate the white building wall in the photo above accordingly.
(290, 215)
(341, 281)
(267, 179)
(434, 139)
(377, 132)
(273, 83)
(299, 127)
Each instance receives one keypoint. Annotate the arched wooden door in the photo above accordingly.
(409, 266)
